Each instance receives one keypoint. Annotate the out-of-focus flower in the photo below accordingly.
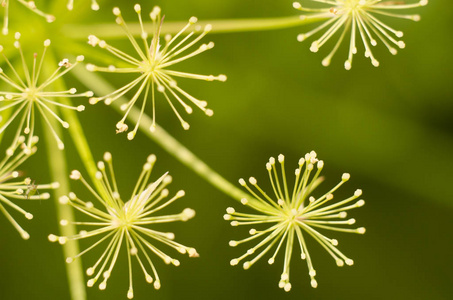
(29, 4)
(13, 188)
(28, 95)
(292, 216)
(153, 67)
(119, 223)
(359, 17)
(94, 5)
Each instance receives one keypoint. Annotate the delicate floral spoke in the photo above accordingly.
(357, 14)
(152, 61)
(30, 5)
(293, 213)
(30, 95)
(120, 223)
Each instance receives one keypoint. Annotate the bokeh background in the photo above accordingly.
(390, 127)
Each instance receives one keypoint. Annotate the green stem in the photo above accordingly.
(165, 140)
(80, 31)
(59, 172)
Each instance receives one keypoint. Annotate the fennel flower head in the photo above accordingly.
(14, 188)
(5, 4)
(28, 95)
(94, 5)
(153, 64)
(292, 216)
(119, 224)
(361, 19)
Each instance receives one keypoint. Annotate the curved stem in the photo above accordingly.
(165, 140)
(78, 31)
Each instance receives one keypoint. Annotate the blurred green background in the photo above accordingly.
(390, 127)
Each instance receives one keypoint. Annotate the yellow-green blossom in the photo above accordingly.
(360, 17)
(30, 95)
(126, 224)
(13, 188)
(29, 4)
(153, 67)
(94, 5)
(292, 216)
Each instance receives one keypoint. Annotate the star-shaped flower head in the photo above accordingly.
(13, 188)
(29, 4)
(360, 17)
(292, 216)
(126, 224)
(30, 95)
(94, 5)
(153, 67)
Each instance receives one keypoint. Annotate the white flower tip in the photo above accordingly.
(360, 203)
(90, 271)
(130, 294)
(29, 216)
(185, 125)
(17, 35)
(375, 63)
(242, 182)
(137, 8)
(357, 193)
(401, 44)
(326, 62)
(320, 164)
(64, 222)
(90, 282)
(246, 265)
(62, 240)
(230, 210)
(280, 202)
(102, 285)
(232, 243)
(69, 260)
(72, 196)
(281, 158)
(271, 261)
(148, 278)
(287, 287)
(349, 262)
(423, 2)
(116, 11)
(340, 262)
(234, 262)
(208, 28)
(47, 43)
(63, 200)
(187, 214)
(95, 6)
(131, 135)
(345, 177)
(312, 273)
(314, 283)
(193, 252)
(75, 175)
(222, 77)
(301, 37)
(361, 230)
(297, 5)
(348, 65)
(193, 20)
(314, 47)
(244, 201)
(52, 237)
(25, 235)
(252, 231)
(157, 284)
(80, 108)
(252, 181)
(234, 223)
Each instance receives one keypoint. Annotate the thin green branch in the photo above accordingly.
(165, 140)
(80, 31)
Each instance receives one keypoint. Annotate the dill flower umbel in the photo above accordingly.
(30, 95)
(358, 17)
(117, 222)
(11, 187)
(152, 67)
(30, 5)
(94, 5)
(292, 216)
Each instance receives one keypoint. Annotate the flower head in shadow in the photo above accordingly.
(153, 66)
(29, 4)
(292, 216)
(14, 188)
(359, 19)
(29, 95)
(127, 224)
